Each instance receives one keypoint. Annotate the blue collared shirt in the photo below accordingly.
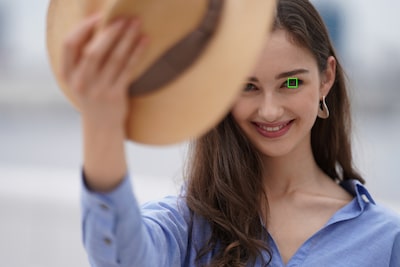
(117, 232)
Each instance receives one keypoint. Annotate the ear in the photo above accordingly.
(328, 77)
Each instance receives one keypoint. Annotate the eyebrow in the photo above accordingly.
(291, 73)
(253, 79)
(282, 75)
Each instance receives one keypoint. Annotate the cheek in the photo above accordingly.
(309, 103)
(241, 110)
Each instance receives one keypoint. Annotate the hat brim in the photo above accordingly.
(201, 96)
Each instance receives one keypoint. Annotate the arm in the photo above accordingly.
(117, 233)
(96, 71)
(96, 68)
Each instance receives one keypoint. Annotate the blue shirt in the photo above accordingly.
(117, 232)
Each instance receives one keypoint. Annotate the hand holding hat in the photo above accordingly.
(199, 55)
(96, 69)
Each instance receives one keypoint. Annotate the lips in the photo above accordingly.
(274, 130)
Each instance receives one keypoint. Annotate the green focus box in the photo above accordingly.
(292, 83)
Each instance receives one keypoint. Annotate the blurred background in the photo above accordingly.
(40, 143)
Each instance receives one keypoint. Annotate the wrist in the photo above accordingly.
(103, 128)
(104, 156)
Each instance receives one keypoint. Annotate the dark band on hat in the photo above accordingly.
(178, 58)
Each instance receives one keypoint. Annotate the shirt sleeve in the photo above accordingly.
(395, 258)
(117, 232)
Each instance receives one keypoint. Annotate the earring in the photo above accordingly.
(323, 111)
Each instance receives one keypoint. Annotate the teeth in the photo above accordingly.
(272, 129)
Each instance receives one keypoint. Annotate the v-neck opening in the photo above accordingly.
(351, 210)
(344, 213)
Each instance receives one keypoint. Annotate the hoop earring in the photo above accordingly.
(323, 111)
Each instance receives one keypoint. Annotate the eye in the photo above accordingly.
(292, 83)
(249, 87)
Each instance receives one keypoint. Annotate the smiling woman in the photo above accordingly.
(40, 137)
(274, 108)
(273, 184)
(281, 156)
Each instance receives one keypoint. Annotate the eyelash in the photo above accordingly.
(254, 87)
(246, 87)
(284, 84)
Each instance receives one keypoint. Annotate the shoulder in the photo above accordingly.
(171, 216)
(371, 219)
(170, 208)
(381, 224)
(384, 216)
(371, 213)
(389, 230)
(173, 210)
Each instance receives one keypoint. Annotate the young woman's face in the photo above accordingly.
(278, 119)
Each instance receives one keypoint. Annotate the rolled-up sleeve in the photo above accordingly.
(117, 232)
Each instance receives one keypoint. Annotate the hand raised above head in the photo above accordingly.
(96, 67)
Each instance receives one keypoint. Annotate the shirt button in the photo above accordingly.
(107, 241)
(365, 198)
(104, 207)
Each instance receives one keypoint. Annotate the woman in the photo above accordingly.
(272, 185)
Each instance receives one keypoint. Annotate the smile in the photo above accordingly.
(275, 130)
(272, 129)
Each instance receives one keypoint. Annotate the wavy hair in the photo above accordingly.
(224, 171)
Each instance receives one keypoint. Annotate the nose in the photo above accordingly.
(270, 108)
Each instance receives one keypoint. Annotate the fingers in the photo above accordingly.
(97, 52)
(99, 62)
(128, 46)
(74, 43)
(125, 79)
(97, 68)
(122, 49)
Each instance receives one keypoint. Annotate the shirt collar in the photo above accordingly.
(359, 191)
(362, 200)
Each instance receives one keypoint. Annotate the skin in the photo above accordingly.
(301, 197)
(96, 68)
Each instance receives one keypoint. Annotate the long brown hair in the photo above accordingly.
(225, 171)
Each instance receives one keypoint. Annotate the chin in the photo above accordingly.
(273, 150)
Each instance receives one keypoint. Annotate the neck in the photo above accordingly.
(291, 172)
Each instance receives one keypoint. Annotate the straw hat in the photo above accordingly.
(200, 54)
